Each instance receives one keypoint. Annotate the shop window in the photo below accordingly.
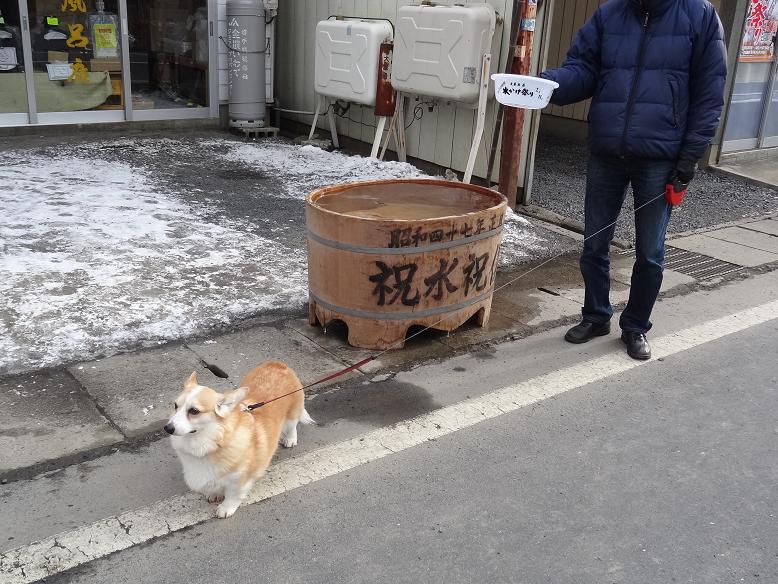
(13, 87)
(168, 53)
(76, 55)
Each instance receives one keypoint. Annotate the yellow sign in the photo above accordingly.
(73, 6)
(105, 37)
(52, 21)
(76, 40)
(79, 72)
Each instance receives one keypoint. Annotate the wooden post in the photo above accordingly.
(513, 40)
(513, 120)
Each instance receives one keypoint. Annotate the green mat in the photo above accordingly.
(53, 96)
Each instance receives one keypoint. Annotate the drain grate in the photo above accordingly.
(696, 265)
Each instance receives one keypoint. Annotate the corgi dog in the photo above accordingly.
(224, 447)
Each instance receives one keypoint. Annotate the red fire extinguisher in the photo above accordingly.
(385, 94)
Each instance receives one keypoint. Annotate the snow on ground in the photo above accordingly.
(92, 265)
(99, 255)
(310, 167)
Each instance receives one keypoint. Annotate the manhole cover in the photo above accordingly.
(696, 265)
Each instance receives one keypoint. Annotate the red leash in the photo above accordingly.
(328, 378)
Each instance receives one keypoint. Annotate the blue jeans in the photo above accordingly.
(606, 188)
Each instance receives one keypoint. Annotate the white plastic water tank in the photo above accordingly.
(438, 50)
(346, 61)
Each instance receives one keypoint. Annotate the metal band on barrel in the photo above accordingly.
(402, 250)
(400, 315)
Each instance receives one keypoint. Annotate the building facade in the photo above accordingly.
(82, 61)
(750, 119)
(751, 123)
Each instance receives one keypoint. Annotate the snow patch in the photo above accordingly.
(306, 168)
(99, 256)
(520, 241)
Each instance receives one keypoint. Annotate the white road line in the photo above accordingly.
(84, 544)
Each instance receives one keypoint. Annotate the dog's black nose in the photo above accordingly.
(170, 428)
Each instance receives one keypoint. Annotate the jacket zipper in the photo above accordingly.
(675, 109)
(631, 99)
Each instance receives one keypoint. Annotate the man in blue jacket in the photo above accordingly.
(655, 70)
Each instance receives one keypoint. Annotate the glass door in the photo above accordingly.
(170, 43)
(14, 90)
(769, 137)
(751, 121)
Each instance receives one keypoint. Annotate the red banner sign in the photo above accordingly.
(760, 30)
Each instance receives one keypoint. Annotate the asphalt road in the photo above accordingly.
(660, 472)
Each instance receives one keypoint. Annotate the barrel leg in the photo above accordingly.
(333, 127)
(481, 118)
(379, 132)
(319, 102)
(380, 335)
(482, 316)
(391, 132)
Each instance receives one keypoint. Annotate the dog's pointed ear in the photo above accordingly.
(192, 381)
(229, 401)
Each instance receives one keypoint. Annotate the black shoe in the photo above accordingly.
(581, 333)
(637, 345)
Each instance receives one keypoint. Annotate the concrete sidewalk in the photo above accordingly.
(758, 168)
(57, 417)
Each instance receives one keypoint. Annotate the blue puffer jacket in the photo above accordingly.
(655, 70)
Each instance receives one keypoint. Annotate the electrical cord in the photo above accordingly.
(343, 115)
(342, 112)
(418, 114)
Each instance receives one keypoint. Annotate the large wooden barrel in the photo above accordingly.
(386, 255)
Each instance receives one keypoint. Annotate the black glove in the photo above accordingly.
(683, 172)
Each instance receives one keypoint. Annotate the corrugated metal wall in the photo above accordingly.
(443, 136)
(568, 17)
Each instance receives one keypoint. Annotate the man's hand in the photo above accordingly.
(678, 181)
(683, 173)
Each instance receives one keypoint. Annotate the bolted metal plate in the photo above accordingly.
(696, 265)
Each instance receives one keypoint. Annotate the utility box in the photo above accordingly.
(346, 61)
(438, 50)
